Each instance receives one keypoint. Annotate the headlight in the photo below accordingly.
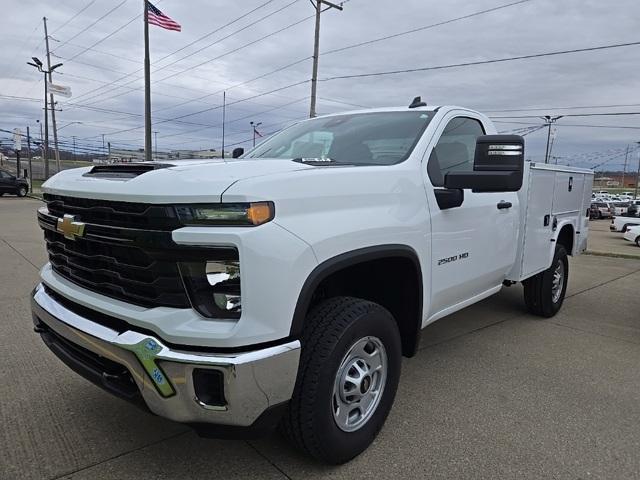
(247, 214)
(214, 286)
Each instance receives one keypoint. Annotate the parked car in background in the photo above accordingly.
(600, 210)
(622, 223)
(634, 208)
(633, 235)
(618, 208)
(9, 183)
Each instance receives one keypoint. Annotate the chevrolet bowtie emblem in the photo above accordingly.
(70, 228)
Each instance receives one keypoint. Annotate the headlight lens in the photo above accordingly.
(247, 214)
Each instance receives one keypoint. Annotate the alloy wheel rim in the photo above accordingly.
(558, 282)
(359, 384)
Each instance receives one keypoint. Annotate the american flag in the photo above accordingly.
(156, 17)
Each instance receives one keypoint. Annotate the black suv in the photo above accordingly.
(9, 183)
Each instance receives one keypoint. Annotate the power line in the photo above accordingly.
(128, 75)
(122, 27)
(426, 27)
(547, 109)
(482, 62)
(91, 25)
(599, 114)
(73, 17)
(188, 69)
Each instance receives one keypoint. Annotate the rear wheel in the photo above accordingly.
(638, 241)
(347, 379)
(545, 292)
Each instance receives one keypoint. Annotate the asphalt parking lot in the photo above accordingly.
(493, 393)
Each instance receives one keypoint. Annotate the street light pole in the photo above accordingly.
(53, 107)
(549, 120)
(37, 63)
(254, 127)
(635, 193)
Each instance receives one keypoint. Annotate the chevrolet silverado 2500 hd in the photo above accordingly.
(284, 287)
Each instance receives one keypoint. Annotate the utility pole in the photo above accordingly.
(53, 107)
(103, 152)
(155, 133)
(74, 148)
(224, 113)
(549, 121)
(147, 86)
(624, 171)
(635, 193)
(109, 157)
(29, 153)
(316, 52)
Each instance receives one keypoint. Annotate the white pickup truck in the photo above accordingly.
(284, 287)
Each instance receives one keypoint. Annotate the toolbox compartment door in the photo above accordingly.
(538, 222)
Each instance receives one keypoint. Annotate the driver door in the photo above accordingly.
(474, 244)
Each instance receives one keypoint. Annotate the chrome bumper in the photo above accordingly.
(253, 381)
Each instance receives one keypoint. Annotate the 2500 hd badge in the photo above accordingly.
(461, 256)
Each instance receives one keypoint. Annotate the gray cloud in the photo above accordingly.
(595, 78)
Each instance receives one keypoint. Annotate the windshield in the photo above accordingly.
(378, 138)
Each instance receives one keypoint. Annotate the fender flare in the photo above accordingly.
(348, 259)
(556, 235)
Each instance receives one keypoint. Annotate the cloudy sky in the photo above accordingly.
(237, 47)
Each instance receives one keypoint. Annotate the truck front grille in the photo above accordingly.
(120, 214)
(123, 272)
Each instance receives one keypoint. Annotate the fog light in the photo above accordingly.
(224, 278)
(214, 286)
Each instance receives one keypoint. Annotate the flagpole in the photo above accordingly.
(147, 86)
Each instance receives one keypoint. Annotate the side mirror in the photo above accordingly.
(498, 166)
(237, 152)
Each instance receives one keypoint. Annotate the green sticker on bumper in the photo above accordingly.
(146, 351)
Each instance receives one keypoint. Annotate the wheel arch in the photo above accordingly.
(333, 276)
(566, 237)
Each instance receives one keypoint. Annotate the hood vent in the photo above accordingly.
(123, 171)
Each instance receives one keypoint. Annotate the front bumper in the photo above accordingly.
(254, 382)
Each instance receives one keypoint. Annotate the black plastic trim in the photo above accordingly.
(349, 259)
(265, 424)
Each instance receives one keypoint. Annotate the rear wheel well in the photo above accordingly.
(565, 238)
(393, 281)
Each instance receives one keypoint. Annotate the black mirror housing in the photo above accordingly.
(498, 166)
(237, 152)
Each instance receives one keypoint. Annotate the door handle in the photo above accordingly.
(502, 205)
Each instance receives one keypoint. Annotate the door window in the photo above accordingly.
(455, 149)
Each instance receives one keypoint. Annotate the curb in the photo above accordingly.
(613, 255)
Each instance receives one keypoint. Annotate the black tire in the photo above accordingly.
(538, 290)
(638, 241)
(21, 191)
(331, 329)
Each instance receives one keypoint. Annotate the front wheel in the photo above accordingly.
(545, 292)
(347, 379)
(21, 192)
(638, 241)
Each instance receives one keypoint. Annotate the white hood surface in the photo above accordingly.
(184, 181)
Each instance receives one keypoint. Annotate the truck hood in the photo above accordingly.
(184, 181)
